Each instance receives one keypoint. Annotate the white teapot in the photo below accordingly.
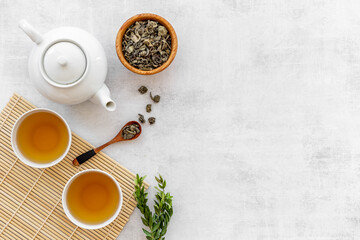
(68, 65)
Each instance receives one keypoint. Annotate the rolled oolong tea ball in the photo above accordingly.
(130, 131)
(148, 108)
(151, 120)
(156, 98)
(141, 118)
(142, 89)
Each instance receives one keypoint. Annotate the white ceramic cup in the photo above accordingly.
(76, 221)
(16, 149)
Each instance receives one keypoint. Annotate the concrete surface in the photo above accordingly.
(258, 128)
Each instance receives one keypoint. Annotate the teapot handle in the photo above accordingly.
(34, 35)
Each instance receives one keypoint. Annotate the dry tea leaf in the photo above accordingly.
(130, 131)
(146, 45)
(141, 118)
(155, 98)
(142, 89)
(148, 108)
(151, 120)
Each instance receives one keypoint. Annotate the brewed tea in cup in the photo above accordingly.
(41, 138)
(92, 199)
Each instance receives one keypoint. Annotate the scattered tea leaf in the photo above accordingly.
(151, 120)
(142, 89)
(141, 118)
(156, 98)
(148, 108)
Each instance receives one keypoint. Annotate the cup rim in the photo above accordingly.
(140, 17)
(18, 153)
(79, 223)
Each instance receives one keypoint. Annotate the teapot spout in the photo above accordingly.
(34, 35)
(102, 97)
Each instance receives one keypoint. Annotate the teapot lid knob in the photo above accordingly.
(64, 63)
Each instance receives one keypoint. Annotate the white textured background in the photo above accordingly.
(258, 128)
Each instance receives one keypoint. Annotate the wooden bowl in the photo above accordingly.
(141, 17)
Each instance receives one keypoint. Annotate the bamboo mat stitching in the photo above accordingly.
(73, 232)
(12, 216)
(2, 125)
(7, 116)
(8, 171)
(52, 210)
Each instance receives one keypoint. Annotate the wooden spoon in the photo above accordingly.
(118, 138)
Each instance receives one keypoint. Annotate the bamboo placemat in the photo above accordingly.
(30, 198)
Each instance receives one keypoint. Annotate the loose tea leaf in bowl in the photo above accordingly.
(146, 45)
(130, 131)
(142, 89)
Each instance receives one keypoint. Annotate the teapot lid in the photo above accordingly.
(64, 63)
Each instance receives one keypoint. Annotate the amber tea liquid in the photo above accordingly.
(42, 137)
(92, 198)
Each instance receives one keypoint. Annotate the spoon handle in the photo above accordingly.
(89, 154)
(118, 138)
(84, 157)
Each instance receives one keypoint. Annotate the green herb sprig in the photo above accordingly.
(157, 222)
